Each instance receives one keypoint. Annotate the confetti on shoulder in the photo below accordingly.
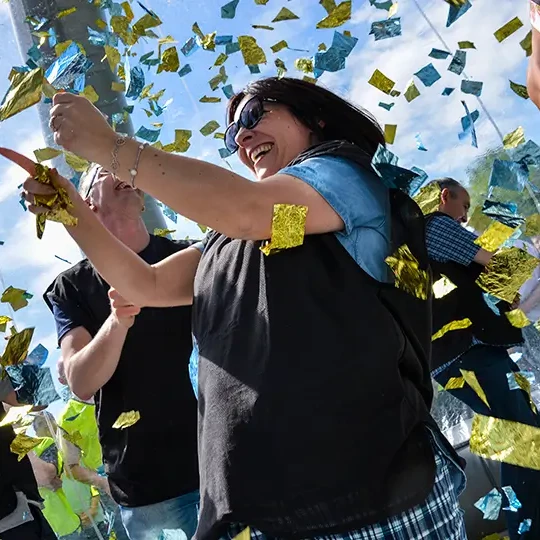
(127, 419)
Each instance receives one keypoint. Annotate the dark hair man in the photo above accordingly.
(482, 347)
(133, 364)
(20, 502)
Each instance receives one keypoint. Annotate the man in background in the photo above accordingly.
(138, 363)
(481, 347)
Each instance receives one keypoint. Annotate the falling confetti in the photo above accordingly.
(127, 419)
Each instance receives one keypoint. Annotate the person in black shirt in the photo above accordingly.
(135, 362)
(20, 503)
(313, 368)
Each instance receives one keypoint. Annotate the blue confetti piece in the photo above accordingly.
(513, 385)
(417, 183)
(75, 179)
(472, 87)
(387, 106)
(190, 46)
(386, 29)
(149, 11)
(156, 108)
(2, 242)
(129, 108)
(385, 156)
(79, 83)
(38, 356)
(134, 81)
(147, 60)
(525, 526)
(22, 202)
(61, 259)
(343, 44)
(490, 505)
(330, 61)
(223, 40)
(428, 75)
(150, 135)
(386, 4)
(170, 213)
(228, 11)
(228, 91)
(385, 165)
(254, 69)
(470, 127)
(506, 213)
(509, 175)
(492, 302)
(34, 385)
(185, 70)
(456, 12)
(96, 38)
(419, 143)
(528, 153)
(447, 91)
(457, 65)
(67, 67)
(224, 153)
(466, 120)
(439, 54)
(35, 54)
(232, 48)
(116, 10)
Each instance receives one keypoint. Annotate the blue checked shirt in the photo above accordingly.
(448, 241)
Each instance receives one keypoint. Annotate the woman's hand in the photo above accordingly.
(124, 311)
(81, 128)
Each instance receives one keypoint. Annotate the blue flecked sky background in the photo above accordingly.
(30, 264)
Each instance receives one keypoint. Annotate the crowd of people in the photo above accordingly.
(284, 391)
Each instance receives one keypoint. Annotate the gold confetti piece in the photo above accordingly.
(285, 15)
(520, 90)
(395, 93)
(166, 40)
(411, 92)
(209, 128)
(210, 99)
(128, 11)
(169, 61)
(59, 48)
(24, 91)
(518, 318)
(514, 138)
(127, 419)
(309, 79)
(75, 162)
(288, 228)
(261, 2)
(322, 47)
(442, 287)
(48, 89)
(145, 92)
(101, 24)
(507, 271)
(120, 26)
(157, 125)
(494, 236)
(380, 81)
(118, 86)
(144, 24)
(4, 319)
(466, 45)
(16, 298)
(409, 276)
(66, 12)
(17, 348)
(429, 198)
(221, 59)
(22, 444)
(220, 78)
(525, 385)
(163, 232)
(455, 383)
(478, 220)
(328, 5)
(45, 154)
(280, 45)
(219, 136)
(390, 133)
(472, 381)
(90, 94)
(508, 29)
(338, 16)
(454, 325)
(526, 44)
(393, 10)
(246, 533)
(532, 225)
(262, 27)
(506, 441)
(15, 415)
(304, 64)
(113, 56)
(252, 53)
(181, 141)
(282, 69)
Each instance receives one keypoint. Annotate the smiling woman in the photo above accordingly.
(314, 387)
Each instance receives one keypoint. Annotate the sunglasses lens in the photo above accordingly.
(230, 138)
(251, 113)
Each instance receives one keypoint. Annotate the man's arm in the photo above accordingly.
(532, 300)
(483, 257)
(45, 473)
(90, 363)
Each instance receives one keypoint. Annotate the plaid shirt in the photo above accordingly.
(448, 241)
(439, 517)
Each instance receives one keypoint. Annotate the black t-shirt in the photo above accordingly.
(156, 458)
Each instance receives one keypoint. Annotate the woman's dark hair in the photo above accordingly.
(314, 105)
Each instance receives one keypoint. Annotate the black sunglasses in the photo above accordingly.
(249, 117)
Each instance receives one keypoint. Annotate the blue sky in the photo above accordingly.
(28, 263)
